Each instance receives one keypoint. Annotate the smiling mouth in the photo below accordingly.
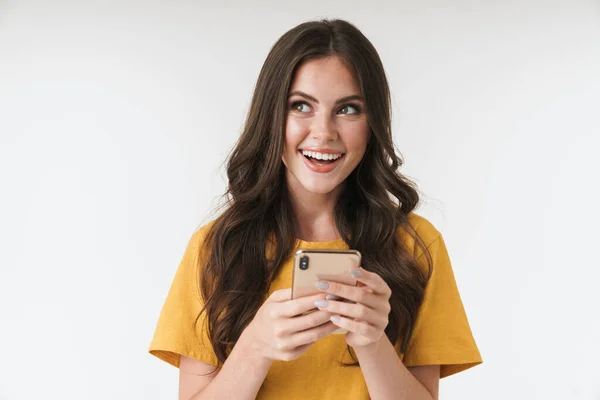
(321, 163)
(321, 158)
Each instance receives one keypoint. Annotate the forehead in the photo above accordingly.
(325, 78)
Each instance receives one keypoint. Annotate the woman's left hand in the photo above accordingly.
(365, 320)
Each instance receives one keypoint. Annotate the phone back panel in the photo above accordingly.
(331, 265)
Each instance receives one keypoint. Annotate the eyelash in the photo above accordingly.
(355, 106)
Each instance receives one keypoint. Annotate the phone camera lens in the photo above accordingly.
(304, 263)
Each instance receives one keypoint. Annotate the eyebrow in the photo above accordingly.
(342, 100)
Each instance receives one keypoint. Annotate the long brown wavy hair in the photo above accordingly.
(256, 232)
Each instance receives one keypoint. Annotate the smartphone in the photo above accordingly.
(321, 264)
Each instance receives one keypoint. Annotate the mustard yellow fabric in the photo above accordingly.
(441, 335)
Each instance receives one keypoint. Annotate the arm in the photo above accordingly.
(240, 377)
(388, 378)
(279, 331)
(366, 320)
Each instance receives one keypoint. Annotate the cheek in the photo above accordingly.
(295, 132)
(357, 137)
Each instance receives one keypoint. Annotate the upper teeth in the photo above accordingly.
(322, 156)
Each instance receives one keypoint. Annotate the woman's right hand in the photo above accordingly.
(279, 331)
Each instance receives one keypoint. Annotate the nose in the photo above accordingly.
(324, 128)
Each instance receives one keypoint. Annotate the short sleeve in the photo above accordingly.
(442, 335)
(176, 333)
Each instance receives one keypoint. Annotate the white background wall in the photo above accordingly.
(116, 116)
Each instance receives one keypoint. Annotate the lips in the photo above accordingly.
(320, 166)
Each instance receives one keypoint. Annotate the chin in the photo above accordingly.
(320, 187)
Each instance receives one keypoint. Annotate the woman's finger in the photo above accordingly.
(312, 335)
(372, 281)
(302, 322)
(280, 295)
(354, 311)
(359, 327)
(292, 308)
(353, 293)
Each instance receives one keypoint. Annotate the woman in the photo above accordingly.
(315, 167)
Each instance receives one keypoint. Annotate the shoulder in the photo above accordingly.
(196, 251)
(199, 236)
(193, 260)
(425, 228)
(420, 226)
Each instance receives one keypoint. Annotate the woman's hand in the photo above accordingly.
(366, 319)
(279, 331)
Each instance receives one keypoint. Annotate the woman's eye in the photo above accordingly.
(347, 107)
(300, 106)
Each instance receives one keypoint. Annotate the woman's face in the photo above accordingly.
(327, 129)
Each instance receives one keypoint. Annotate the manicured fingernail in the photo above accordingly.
(335, 318)
(332, 297)
(356, 272)
(321, 303)
(322, 285)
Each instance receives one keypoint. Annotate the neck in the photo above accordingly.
(315, 213)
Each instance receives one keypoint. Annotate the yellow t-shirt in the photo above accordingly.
(441, 335)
